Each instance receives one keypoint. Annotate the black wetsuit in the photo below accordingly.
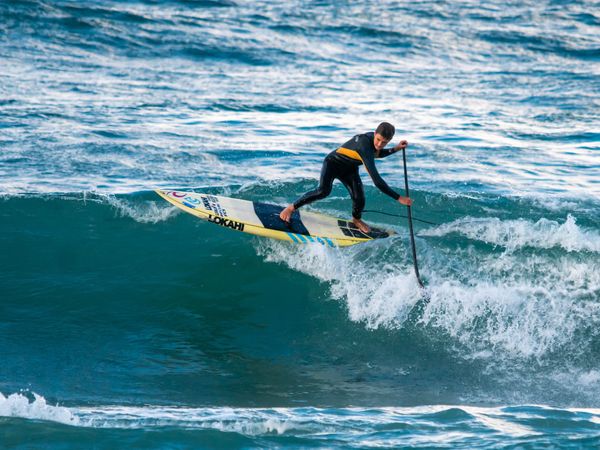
(343, 164)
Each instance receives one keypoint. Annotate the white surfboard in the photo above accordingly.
(262, 219)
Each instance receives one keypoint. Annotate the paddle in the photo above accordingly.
(410, 224)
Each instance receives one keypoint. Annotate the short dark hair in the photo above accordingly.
(386, 129)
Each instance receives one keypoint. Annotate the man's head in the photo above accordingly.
(383, 135)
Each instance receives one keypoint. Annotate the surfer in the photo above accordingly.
(343, 164)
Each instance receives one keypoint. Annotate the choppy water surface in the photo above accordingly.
(123, 320)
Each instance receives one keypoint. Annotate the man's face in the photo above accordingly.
(380, 142)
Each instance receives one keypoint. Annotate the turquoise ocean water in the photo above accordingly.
(127, 323)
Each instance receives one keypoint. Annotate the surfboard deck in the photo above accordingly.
(262, 219)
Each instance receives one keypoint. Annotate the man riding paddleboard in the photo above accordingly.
(343, 164)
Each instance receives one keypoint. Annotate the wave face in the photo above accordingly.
(120, 314)
(175, 308)
(150, 328)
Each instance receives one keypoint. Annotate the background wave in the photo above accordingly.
(356, 427)
(124, 96)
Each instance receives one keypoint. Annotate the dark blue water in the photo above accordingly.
(124, 322)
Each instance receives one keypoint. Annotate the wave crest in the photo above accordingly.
(517, 234)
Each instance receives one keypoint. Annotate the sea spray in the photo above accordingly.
(517, 234)
(377, 290)
(512, 305)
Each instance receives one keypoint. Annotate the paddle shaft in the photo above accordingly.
(410, 224)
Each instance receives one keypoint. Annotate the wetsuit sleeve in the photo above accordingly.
(387, 152)
(368, 158)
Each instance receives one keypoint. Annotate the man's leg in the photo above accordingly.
(322, 191)
(354, 185)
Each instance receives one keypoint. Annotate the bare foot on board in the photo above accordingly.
(361, 225)
(286, 214)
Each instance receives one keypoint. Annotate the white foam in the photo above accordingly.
(143, 212)
(247, 421)
(496, 306)
(493, 420)
(19, 405)
(355, 424)
(513, 306)
(377, 292)
(516, 234)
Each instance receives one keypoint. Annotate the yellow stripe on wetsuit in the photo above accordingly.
(349, 153)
